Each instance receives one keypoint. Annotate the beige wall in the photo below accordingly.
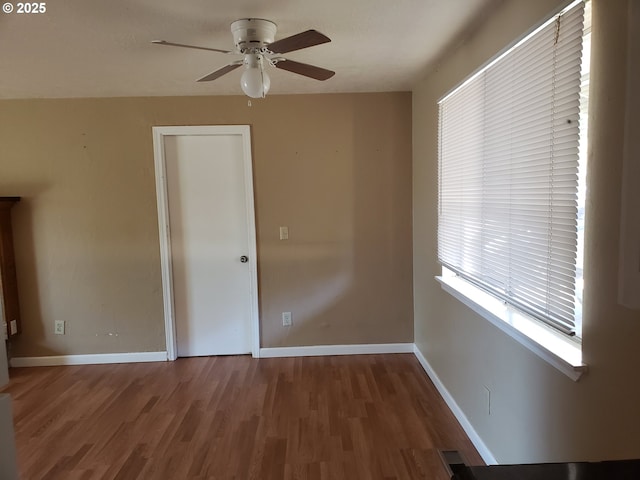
(538, 414)
(336, 169)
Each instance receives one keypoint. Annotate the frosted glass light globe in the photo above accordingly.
(255, 82)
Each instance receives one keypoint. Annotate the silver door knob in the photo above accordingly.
(244, 259)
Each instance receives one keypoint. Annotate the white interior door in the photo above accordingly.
(211, 229)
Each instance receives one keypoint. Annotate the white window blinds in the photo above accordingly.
(508, 173)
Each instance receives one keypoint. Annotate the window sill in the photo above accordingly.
(556, 349)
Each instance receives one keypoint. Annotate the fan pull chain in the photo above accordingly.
(249, 103)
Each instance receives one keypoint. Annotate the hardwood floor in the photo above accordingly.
(348, 417)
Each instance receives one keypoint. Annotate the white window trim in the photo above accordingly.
(560, 351)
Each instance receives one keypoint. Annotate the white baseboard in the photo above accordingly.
(91, 359)
(320, 350)
(484, 452)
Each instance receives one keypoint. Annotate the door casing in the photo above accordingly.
(165, 234)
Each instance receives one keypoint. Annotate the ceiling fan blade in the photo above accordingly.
(298, 41)
(220, 72)
(171, 44)
(305, 69)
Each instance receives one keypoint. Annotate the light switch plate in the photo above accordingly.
(284, 233)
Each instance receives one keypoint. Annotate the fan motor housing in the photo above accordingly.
(249, 33)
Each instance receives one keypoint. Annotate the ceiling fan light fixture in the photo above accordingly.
(249, 33)
(255, 82)
(254, 39)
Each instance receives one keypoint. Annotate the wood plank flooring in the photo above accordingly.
(348, 417)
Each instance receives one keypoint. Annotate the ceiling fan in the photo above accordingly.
(254, 39)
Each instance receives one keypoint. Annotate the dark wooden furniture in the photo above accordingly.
(457, 469)
(9, 307)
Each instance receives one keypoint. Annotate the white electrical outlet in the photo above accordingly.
(14, 327)
(286, 319)
(59, 327)
(284, 233)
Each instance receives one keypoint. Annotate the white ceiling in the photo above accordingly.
(101, 48)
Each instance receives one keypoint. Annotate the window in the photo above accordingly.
(511, 177)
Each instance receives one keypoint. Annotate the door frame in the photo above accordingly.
(165, 233)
